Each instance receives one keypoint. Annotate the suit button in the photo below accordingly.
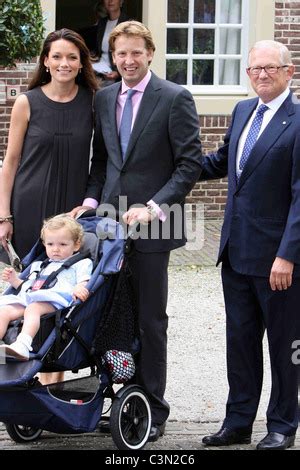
(123, 172)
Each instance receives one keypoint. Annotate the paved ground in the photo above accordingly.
(197, 386)
(179, 436)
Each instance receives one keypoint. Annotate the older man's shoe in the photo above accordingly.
(227, 437)
(156, 431)
(276, 441)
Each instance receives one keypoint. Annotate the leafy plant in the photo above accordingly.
(21, 30)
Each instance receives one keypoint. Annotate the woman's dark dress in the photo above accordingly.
(54, 163)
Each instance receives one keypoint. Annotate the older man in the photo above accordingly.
(260, 249)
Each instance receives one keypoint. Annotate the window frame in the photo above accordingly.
(208, 102)
(215, 88)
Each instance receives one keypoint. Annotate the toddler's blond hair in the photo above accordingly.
(63, 221)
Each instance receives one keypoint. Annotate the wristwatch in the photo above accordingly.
(151, 210)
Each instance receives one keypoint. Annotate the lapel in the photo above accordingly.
(278, 124)
(111, 107)
(242, 116)
(100, 33)
(149, 101)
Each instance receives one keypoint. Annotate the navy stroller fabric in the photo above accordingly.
(69, 406)
(74, 406)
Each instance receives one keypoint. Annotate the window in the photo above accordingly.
(206, 43)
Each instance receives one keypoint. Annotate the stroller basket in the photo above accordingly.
(70, 407)
(75, 391)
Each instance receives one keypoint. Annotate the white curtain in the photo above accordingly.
(230, 41)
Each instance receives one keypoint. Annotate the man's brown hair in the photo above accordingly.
(134, 29)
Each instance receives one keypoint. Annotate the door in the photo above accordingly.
(78, 14)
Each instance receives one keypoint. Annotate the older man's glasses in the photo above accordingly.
(269, 69)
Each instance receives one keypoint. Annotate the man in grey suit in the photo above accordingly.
(155, 170)
(260, 250)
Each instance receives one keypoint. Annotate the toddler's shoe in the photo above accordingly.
(16, 350)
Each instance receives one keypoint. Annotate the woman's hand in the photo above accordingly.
(112, 75)
(6, 231)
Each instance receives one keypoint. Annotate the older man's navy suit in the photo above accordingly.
(261, 222)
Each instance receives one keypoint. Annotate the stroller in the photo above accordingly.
(66, 342)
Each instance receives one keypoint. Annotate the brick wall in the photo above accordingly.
(213, 193)
(14, 77)
(287, 31)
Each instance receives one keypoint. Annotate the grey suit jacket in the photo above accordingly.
(163, 159)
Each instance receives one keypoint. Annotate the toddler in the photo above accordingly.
(62, 237)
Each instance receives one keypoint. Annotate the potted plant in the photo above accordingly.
(21, 31)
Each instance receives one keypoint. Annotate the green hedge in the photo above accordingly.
(21, 31)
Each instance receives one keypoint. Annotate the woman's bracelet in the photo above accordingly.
(9, 218)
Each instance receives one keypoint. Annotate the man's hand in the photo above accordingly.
(77, 211)
(137, 214)
(281, 274)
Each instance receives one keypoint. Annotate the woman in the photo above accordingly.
(105, 69)
(46, 165)
(47, 160)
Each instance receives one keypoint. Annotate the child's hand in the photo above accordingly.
(80, 292)
(10, 275)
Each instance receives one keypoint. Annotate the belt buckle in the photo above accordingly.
(14, 259)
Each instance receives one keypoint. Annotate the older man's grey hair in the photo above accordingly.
(285, 55)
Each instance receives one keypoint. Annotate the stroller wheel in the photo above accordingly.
(130, 418)
(21, 433)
